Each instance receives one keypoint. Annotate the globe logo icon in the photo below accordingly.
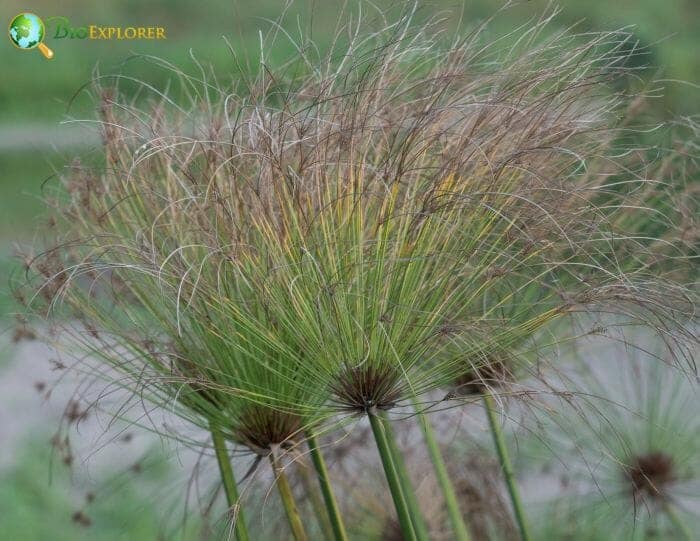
(27, 32)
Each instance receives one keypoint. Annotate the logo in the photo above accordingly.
(27, 32)
(64, 30)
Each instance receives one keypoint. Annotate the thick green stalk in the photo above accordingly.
(287, 497)
(326, 488)
(681, 526)
(419, 525)
(392, 476)
(506, 466)
(459, 528)
(229, 482)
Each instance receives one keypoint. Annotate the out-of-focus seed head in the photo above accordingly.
(650, 475)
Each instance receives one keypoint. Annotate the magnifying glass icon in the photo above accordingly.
(27, 31)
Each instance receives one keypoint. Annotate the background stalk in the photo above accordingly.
(419, 525)
(385, 453)
(317, 502)
(678, 524)
(229, 482)
(287, 497)
(459, 527)
(506, 466)
(336, 519)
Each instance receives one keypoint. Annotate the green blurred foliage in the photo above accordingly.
(39, 502)
(670, 28)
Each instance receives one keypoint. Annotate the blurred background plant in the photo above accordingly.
(624, 452)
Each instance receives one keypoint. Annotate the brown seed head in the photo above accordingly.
(492, 373)
(360, 388)
(262, 428)
(650, 474)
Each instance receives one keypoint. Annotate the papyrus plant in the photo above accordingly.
(344, 234)
(630, 442)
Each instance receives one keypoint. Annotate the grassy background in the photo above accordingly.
(34, 97)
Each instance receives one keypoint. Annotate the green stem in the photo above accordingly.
(313, 494)
(392, 475)
(229, 482)
(326, 488)
(506, 466)
(287, 497)
(677, 522)
(459, 528)
(419, 525)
